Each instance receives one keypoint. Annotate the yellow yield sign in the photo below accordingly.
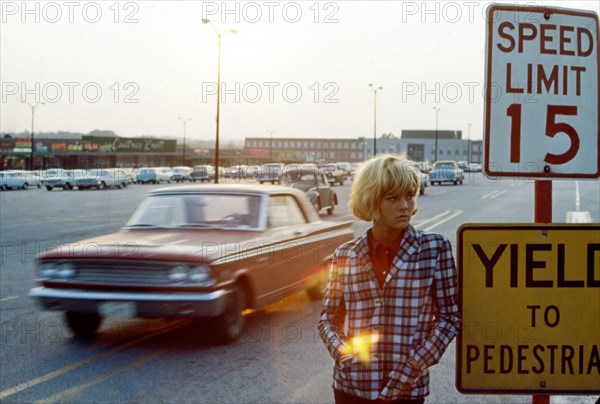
(530, 301)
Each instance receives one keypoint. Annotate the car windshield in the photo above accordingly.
(228, 211)
(304, 177)
(444, 166)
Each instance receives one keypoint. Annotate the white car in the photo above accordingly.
(181, 173)
(101, 178)
(61, 178)
(12, 180)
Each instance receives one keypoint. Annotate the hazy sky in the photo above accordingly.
(300, 69)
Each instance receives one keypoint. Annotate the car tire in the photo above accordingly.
(330, 210)
(83, 325)
(228, 326)
(49, 188)
(25, 185)
(3, 187)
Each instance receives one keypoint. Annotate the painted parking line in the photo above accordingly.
(424, 222)
(59, 372)
(9, 298)
(70, 393)
(452, 215)
(493, 194)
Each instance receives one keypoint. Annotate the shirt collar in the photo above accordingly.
(374, 245)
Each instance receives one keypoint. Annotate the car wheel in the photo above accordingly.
(229, 325)
(3, 187)
(316, 289)
(25, 185)
(455, 182)
(330, 210)
(49, 188)
(102, 185)
(83, 325)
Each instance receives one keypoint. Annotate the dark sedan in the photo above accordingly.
(314, 183)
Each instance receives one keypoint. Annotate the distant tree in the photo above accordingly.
(104, 133)
(388, 136)
(7, 136)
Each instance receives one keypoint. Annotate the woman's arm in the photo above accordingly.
(333, 314)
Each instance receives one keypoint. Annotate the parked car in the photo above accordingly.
(127, 175)
(463, 165)
(313, 182)
(100, 178)
(12, 180)
(446, 171)
(333, 174)
(153, 175)
(422, 176)
(202, 173)
(61, 178)
(181, 173)
(474, 168)
(270, 172)
(346, 167)
(187, 251)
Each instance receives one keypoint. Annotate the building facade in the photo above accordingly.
(421, 146)
(300, 150)
(99, 152)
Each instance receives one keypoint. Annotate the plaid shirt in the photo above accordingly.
(414, 315)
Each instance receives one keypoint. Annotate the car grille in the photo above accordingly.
(139, 273)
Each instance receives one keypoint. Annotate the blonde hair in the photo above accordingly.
(378, 177)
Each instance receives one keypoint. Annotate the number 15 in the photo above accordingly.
(552, 128)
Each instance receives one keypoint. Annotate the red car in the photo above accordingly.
(207, 251)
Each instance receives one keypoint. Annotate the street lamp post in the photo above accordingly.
(32, 140)
(437, 110)
(185, 121)
(469, 144)
(219, 35)
(271, 145)
(375, 88)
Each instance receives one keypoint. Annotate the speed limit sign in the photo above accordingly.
(541, 102)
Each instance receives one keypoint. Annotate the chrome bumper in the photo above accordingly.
(168, 304)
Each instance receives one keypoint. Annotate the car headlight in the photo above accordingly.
(178, 273)
(65, 271)
(200, 274)
(48, 270)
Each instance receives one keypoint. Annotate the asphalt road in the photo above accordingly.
(279, 359)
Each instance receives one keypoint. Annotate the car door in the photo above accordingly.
(291, 255)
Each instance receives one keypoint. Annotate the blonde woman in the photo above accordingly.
(395, 289)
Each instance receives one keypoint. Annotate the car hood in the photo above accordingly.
(177, 245)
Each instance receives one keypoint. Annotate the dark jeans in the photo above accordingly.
(345, 398)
